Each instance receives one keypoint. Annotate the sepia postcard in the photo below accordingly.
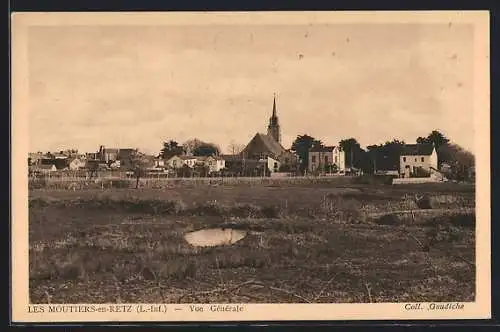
(250, 166)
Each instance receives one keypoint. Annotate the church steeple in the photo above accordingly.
(274, 107)
(273, 129)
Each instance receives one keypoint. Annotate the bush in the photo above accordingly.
(388, 219)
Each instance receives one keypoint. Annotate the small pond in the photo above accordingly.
(214, 237)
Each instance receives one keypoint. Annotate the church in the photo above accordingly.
(262, 146)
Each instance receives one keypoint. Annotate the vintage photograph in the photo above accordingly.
(251, 161)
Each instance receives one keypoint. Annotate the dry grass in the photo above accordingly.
(309, 243)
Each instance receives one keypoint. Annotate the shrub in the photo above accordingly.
(463, 220)
(388, 219)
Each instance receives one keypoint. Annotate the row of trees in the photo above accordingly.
(374, 157)
(386, 156)
(195, 147)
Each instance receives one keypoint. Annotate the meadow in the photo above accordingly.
(308, 241)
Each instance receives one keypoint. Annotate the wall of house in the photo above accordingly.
(76, 164)
(271, 163)
(175, 162)
(341, 160)
(433, 159)
(215, 165)
(190, 162)
(319, 158)
(416, 161)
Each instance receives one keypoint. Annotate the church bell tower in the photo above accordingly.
(273, 129)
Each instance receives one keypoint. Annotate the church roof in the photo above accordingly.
(264, 143)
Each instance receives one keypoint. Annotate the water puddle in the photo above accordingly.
(214, 237)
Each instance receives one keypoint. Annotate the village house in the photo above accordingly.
(124, 157)
(59, 163)
(177, 162)
(107, 154)
(272, 164)
(190, 161)
(111, 154)
(76, 163)
(418, 160)
(60, 155)
(215, 164)
(34, 158)
(96, 164)
(115, 165)
(160, 162)
(42, 169)
(326, 159)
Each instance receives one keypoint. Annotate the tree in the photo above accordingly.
(354, 154)
(205, 150)
(435, 137)
(384, 156)
(197, 147)
(301, 146)
(170, 149)
(235, 148)
(139, 162)
(191, 144)
(458, 158)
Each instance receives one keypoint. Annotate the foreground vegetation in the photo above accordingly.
(307, 243)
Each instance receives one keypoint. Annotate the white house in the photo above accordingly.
(272, 164)
(76, 163)
(179, 161)
(418, 160)
(175, 162)
(160, 162)
(190, 160)
(322, 158)
(215, 164)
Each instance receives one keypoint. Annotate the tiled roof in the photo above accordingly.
(322, 149)
(269, 142)
(417, 150)
(110, 150)
(187, 157)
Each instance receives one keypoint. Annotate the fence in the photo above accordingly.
(415, 180)
(108, 182)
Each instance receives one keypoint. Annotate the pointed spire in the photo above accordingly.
(274, 105)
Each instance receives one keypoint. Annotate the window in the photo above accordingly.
(422, 159)
(174, 162)
(335, 159)
(313, 159)
(287, 160)
(404, 159)
(415, 159)
(326, 159)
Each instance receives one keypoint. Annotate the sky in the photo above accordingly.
(137, 86)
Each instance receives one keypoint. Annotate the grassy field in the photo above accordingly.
(308, 242)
